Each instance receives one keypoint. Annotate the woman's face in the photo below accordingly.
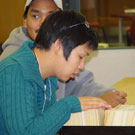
(69, 68)
(38, 11)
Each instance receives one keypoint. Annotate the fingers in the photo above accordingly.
(114, 98)
(97, 106)
(93, 103)
(120, 97)
(123, 94)
(121, 100)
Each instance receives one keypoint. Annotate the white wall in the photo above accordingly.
(110, 66)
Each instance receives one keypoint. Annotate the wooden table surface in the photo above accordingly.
(127, 85)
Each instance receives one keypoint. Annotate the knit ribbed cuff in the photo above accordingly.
(74, 103)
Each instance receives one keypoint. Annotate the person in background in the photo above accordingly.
(35, 12)
(28, 103)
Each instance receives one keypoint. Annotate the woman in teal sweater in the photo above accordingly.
(28, 81)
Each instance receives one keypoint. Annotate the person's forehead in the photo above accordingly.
(43, 12)
(43, 5)
(85, 49)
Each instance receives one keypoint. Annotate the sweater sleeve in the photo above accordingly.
(20, 110)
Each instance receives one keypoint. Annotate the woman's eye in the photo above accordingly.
(36, 16)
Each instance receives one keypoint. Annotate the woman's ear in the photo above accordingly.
(25, 22)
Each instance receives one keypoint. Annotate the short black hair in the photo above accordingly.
(26, 12)
(69, 27)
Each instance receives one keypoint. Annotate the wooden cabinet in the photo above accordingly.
(102, 10)
(89, 9)
(11, 16)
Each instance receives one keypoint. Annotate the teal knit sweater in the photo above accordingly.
(26, 107)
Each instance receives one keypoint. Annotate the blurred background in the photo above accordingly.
(113, 20)
(114, 23)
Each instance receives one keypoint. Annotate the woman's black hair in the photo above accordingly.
(70, 28)
(26, 12)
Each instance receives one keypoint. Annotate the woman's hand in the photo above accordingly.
(114, 98)
(93, 103)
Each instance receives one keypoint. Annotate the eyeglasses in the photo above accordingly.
(83, 23)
